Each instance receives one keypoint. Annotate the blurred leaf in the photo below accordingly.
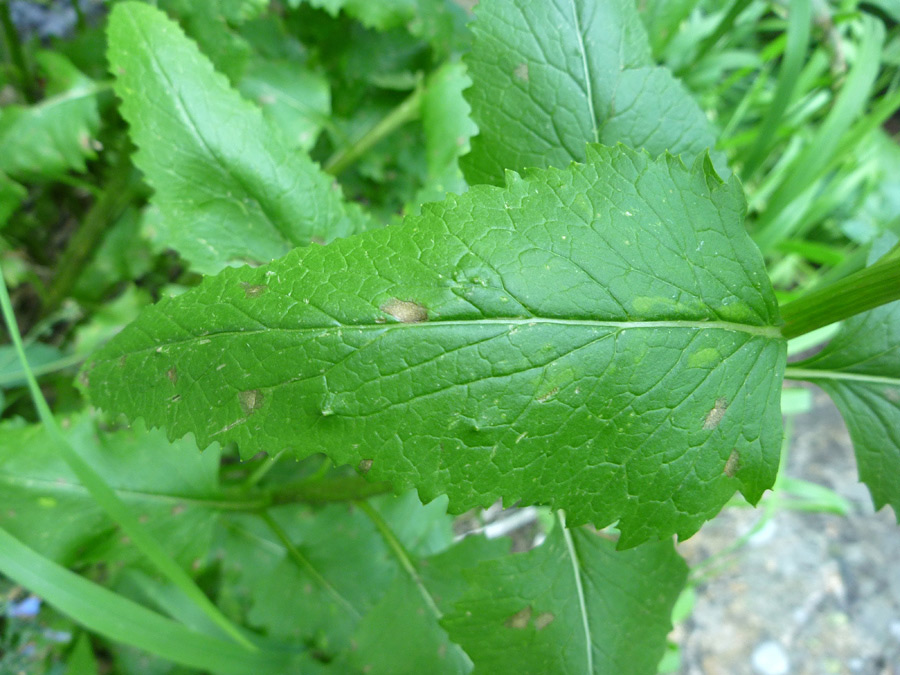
(81, 660)
(123, 255)
(223, 169)
(573, 605)
(39, 355)
(345, 570)
(662, 18)
(448, 127)
(56, 135)
(583, 75)
(119, 619)
(12, 194)
(294, 99)
(169, 486)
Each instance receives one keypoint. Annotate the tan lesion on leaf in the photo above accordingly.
(253, 290)
(716, 414)
(542, 620)
(521, 72)
(250, 400)
(172, 374)
(520, 619)
(405, 311)
(365, 465)
(732, 464)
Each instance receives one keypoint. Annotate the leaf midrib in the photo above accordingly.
(770, 332)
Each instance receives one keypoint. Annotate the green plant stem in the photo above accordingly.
(105, 496)
(869, 288)
(117, 195)
(407, 111)
(15, 54)
(401, 553)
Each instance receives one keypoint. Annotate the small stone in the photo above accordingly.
(770, 658)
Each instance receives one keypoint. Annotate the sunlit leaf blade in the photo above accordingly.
(599, 338)
(573, 605)
(172, 488)
(860, 370)
(550, 77)
(229, 188)
(56, 135)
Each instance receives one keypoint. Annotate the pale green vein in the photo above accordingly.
(812, 374)
(582, 603)
(305, 565)
(401, 554)
(771, 332)
(589, 90)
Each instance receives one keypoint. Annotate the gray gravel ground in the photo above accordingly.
(811, 592)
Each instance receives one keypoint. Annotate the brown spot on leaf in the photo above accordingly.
(733, 463)
(542, 620)
(892, 394)
(178, 509)
(405, 311)
(716, 414)
(253, 290)
(172, 374)
(365, 465)
(520, 619)
(521, 72)
(543, 398)
(250, 400)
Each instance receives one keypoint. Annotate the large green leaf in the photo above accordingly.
(573, 605)
(550, 77)
(172, 487)
(44, 141)
(599, 338)
(860, 370)
(228, 186)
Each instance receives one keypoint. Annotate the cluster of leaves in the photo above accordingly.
(442, 258)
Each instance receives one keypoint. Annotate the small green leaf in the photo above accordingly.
(573, 605)
(860, 370)
(550, 77)
(229, 188)
(600, 339)
(46, 140)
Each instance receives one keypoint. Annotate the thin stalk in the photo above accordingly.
(407, 111)
(106, 497)
(15, 53)
(401, 554)
(117, 195)
(869, 288)
(262, 470)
